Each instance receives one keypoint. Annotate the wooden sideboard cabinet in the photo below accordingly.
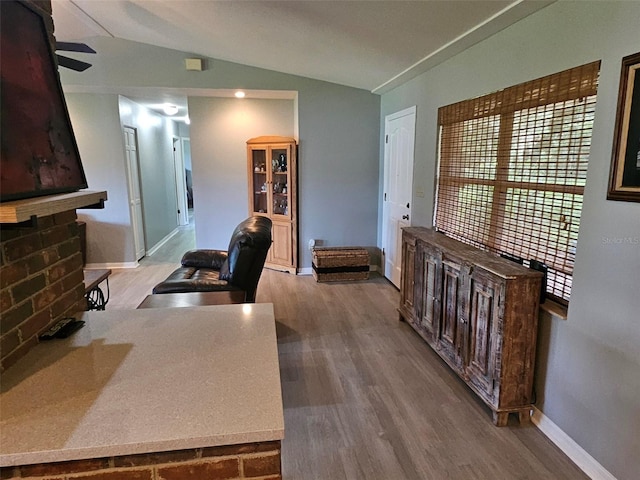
(478, 311)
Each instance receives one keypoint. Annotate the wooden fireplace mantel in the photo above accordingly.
(19, 211)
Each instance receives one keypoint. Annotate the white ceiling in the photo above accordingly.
(374, 45)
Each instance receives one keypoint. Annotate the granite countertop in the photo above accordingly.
(139, 381)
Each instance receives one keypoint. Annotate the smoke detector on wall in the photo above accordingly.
(194, 64)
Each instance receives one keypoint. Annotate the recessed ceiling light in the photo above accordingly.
(239, 94)
(170, 109)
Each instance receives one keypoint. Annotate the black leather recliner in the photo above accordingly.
(238, 268)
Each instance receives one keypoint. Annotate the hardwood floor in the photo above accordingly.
(364, 397)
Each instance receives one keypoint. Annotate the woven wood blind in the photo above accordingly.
(512, 170)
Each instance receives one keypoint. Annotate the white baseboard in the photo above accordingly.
(94, 266)
(575, 452)
(157, 246)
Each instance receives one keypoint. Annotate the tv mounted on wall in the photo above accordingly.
(39, 153)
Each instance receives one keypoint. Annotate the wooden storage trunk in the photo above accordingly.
(334, 264)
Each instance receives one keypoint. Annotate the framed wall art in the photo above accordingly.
(624, 180)
(39, 154)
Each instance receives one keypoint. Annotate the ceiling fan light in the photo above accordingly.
(170, 109)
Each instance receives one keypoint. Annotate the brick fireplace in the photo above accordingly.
(41, 277)
(41, 281)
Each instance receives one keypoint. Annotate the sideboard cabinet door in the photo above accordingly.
(452, 332)
(408, 285)
(485, 343)
(431, 286)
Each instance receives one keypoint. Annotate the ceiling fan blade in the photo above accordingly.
(72, 63)
(74, 47)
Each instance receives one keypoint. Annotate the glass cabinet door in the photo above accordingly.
(260, 184)
(280, 181)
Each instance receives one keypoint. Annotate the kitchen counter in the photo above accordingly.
(141, 381)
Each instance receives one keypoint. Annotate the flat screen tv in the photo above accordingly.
(39, 151)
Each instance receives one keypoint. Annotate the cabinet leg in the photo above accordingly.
(500, 419)
(524, 416)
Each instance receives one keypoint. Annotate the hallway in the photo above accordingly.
(129, 286)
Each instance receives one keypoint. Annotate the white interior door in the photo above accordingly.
(399, 132)
(135, 192)
(181, 182)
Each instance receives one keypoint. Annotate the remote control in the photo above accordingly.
(70, 328)
(62, 329)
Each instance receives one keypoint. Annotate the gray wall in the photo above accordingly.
(588, 375)
(338, 133)
(339, 168)
(109, 235)
(157, 174)
(220, 130)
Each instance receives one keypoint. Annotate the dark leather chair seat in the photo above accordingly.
(237, 268)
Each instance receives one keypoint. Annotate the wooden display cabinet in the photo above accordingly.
(479, 312)
(272, 172)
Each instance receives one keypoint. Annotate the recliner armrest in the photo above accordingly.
(204, 259)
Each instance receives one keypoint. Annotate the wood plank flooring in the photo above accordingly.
(364, 397)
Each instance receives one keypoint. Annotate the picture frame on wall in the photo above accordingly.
(39, 151)
(624, 179)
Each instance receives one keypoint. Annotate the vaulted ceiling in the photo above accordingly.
(373, 45)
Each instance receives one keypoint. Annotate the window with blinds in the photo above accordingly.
(512, 170)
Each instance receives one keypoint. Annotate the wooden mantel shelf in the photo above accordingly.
(25, 210)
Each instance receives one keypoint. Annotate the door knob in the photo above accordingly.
(405, 217)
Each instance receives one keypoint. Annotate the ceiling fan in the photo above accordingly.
(72, 63)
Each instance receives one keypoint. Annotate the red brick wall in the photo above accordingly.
(255, 461)
(41, 281)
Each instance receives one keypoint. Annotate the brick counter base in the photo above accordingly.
(256, 461)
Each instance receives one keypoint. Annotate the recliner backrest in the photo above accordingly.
(247, 252)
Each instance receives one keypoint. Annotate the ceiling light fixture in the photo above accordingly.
(170, 109)
(239, 94)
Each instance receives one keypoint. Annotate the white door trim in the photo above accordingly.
(401, 113)
(391, 261)
(181, 182)
(134, 189)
